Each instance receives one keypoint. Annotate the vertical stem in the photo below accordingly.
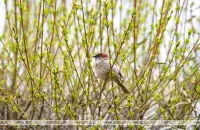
(135, 37)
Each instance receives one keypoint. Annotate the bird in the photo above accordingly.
(103, 70)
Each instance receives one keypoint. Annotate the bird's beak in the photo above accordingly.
(95, 56)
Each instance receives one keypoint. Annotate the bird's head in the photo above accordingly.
(101, 56)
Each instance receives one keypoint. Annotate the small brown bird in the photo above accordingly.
(103, 69)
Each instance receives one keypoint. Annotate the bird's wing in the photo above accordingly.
(120, 74)
(116, 69)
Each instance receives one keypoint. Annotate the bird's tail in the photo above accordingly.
(122, 86)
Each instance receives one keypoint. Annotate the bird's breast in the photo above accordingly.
(102, 69)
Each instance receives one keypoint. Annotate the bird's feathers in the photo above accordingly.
(104, 71)
(121, 85)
